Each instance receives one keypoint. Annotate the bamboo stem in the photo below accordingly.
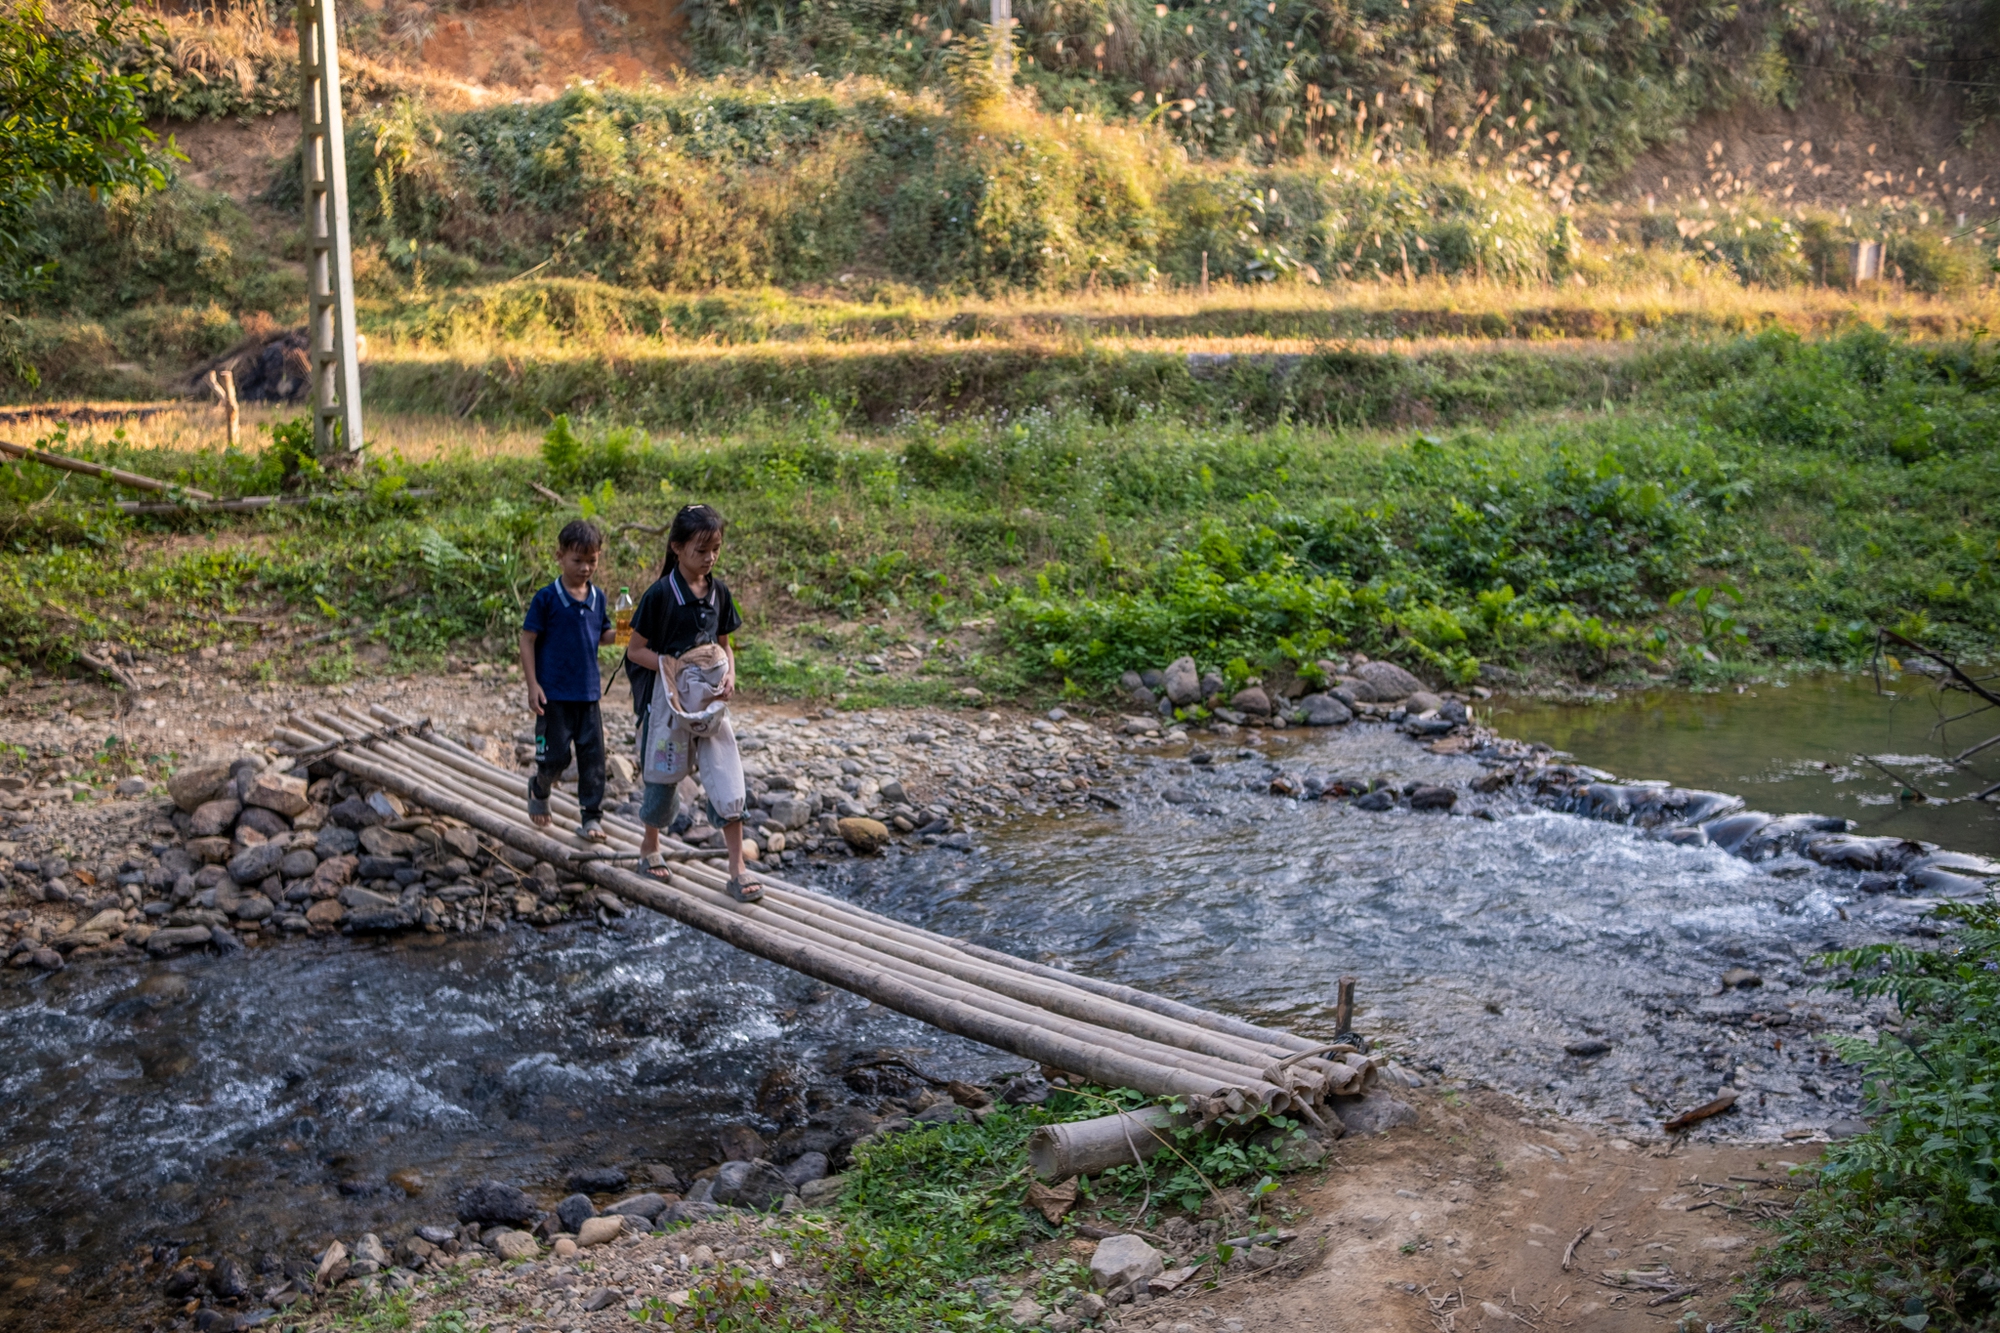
(117, 476)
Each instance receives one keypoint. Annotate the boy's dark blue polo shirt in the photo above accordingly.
(568, 629)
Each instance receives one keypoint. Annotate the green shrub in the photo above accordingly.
(180, 246)
(1928, 262)
(1901, 1227)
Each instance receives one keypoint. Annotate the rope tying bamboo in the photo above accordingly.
(1111, 1034)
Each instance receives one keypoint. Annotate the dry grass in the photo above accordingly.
(192, 428)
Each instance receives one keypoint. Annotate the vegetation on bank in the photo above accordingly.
(1833, 486)
(1900, 1228)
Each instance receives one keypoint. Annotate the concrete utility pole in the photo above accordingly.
(1003, 31)
(336, 372)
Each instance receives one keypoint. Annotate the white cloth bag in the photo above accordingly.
(679, 744)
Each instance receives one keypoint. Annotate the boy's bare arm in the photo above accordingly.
(536, 699)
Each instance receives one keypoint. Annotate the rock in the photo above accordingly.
(325, 912)
(1390, 681)
(491, 1202)
(132, 786)
(387, 804)
(266, 822)
(1180, 795)
(864, 834)
(378, 867)
(214, 818)
(254, 907)
(791, 812)
(45, 958)
(512, 1245)
(332, 1265)
(1131, 681)
(282, 792)
(1741, 978)
(602, 1299)
(944, 1113)
(1025, 1313)
(806, 1169)
(1323, 710)
(223, 940)
(1252, 701)
(1433, 798)
(1376, 800)
(647, 1206)
(110, 921)
(191, 787)
(299, 863)
(1588, 1047)
(600, 1230)
(574, 1211)
(172, 939)
(1423, 701)
(1087, 1306)
(379, 841)
(1182, 682)
(754, 1184)
(353, 813)
(370, 1247)
(597, 1180)
(253, 865)
(823, 1190)
(565, 1247)
(1120, 1260)
(690, 1210)
(357, 899)
(1376, 1113)
(211, 851)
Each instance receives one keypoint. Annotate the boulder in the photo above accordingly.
(1389, 681)
(214, 818)
(791, 812)
(599, 1179)
(512, 1245)
(808, 1168)
(600, 1230)
(1376, 1113)
(254, 907)
(379, 867)
(326, 912)
(333, 872)
(110, 921)
(574, 1211)
(282, 792)
(754, 1184)
(1252, 701)
(379, 841)
(1423, 701)
(1323, 710)
(332, 841)
(864, 834)
(211, 851)
(253, 865)
(264, 820)
(1433, 798)
(193, 786)
(357, 899)
(175, 938)
(1123, 1260)
(299, 863)
(1183, 682)
(491, 1202)
(353, 813)
(647, 1206)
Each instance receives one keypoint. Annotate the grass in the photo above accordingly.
(1835, 485)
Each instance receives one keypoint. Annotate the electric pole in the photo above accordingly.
(1003, 46)
(336, 372)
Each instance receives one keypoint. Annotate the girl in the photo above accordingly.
(681, 636)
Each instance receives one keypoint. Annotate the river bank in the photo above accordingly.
(1188, 795)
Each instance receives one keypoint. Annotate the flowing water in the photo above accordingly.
(266, 1102)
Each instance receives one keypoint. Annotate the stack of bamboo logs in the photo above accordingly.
(1112, 1035)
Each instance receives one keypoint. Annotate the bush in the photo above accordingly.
(1901, 1228)
(180, 246)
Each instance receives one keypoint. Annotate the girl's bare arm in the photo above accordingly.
(668, 667)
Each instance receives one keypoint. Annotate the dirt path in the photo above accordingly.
(1461, 1222)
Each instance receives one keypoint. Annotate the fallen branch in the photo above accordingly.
(1964, 755)
(1569, 1255)
(117, 476)
(252, 503)
(1970, 684)
(1675, 1295)
(546, 493)
(109, 669)
(1900, 781)
(1723, 1101)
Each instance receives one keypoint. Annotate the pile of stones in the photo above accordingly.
(1350, 688)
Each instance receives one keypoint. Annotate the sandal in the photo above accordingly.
(744, 890)
(654, 864)
(538, 810)
(592, 830)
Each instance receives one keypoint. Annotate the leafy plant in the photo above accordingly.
(1720, 630)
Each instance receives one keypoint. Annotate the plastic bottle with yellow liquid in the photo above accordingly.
(621, 612)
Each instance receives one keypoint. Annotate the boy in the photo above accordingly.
(560, 636)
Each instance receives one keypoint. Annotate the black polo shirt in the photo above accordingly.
(671, 619)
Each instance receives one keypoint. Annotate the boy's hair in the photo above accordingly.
(690, 522)
(580, 534)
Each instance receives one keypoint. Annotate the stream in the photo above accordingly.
(264, 1102)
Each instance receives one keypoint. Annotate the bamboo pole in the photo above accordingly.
(1078, 1014)
(1054, 993)
(1111, 1067)
(117, 476)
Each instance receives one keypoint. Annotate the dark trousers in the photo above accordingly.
(561, 725)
